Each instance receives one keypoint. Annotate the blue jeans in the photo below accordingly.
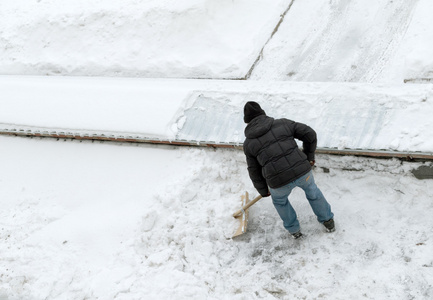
(318, 203)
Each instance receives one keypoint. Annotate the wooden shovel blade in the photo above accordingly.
(243, 218)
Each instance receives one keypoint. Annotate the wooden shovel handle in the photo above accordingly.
(246, 206)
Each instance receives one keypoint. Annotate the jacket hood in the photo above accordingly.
(258, 126)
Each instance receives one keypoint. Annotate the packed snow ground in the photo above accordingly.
(108, 221)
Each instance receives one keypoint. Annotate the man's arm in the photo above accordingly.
(255, 172)
(308, 137)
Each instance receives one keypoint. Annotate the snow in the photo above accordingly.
(357, 41)
(361, 40)
(100, 220)
(345, 115)
(76, 38)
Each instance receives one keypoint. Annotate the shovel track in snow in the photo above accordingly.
(338, 48)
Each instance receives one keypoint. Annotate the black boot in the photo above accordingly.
(330, 226)
(297, 235)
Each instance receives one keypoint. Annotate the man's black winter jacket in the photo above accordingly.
(273, 156)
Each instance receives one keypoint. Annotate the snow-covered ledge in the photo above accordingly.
(356, 118)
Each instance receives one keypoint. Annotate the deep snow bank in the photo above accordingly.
(358, 41)
(168, 38)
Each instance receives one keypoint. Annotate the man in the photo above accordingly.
(276, 165)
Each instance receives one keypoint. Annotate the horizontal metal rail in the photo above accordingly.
(378, 153)
(110, 137)
(136, 138)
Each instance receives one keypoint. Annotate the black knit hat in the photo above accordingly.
(251, 110)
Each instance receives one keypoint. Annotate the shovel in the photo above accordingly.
(242, 214)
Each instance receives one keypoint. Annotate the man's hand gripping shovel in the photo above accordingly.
(242, 214)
